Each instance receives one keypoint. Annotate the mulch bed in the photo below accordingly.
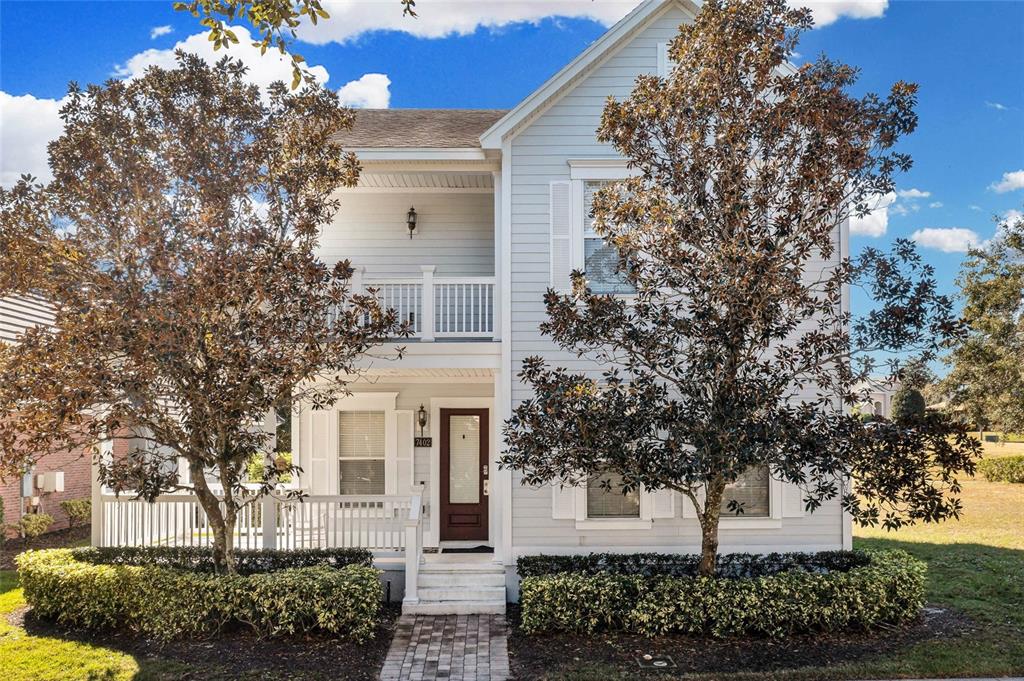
(51, 540)
(240, 654)
(548, 655)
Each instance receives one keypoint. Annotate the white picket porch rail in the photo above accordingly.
(439, 307)
(384, 524)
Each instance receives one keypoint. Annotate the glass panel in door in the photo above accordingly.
(464, 459)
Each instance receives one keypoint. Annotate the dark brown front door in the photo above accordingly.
(464, 474)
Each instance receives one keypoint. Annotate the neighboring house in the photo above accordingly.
(55, 477)
(879, 393)
(462, 219)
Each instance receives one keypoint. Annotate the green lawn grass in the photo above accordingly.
(975, 566)
(42, 658)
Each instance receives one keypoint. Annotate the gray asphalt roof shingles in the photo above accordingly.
(419, 128)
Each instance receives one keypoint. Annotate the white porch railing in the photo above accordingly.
(376, 522)
(439, 307)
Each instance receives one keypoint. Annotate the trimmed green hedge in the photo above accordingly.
(1004, 469)
(888, 587)
(729, 566)
(247, 562)
(165, 603)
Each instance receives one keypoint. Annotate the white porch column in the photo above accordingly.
(104, 451)
(268, 507)
(427, 323)
(496, 311)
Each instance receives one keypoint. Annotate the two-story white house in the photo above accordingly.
(462, 219)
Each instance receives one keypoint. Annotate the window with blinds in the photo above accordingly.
(600, 260)
(361, 452)
(611, 503)
(751, 490)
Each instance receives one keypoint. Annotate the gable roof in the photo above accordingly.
(419, 128)
(579, 67)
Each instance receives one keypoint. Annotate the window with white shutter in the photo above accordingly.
(665, 63)
(600, 259)
(361, 452)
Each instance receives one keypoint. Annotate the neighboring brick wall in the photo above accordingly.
(76, 466)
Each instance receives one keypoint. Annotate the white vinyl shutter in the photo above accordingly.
(404, 477)
(563, 501)
(320, 446)
(688, 510)
(792, 501)
(665, 63)
(561, 235)
(664, 503)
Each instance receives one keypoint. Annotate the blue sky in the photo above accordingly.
(966, 57)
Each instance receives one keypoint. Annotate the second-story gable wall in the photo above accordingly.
(455, 232)
(540, 154)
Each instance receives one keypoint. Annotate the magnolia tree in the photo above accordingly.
(736, 350)
(176, 244)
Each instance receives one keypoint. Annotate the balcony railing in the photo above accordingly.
(437, 308)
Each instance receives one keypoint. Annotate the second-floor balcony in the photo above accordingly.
(439, 308)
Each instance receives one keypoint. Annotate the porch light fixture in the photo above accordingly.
(421, 418)
(411, 221)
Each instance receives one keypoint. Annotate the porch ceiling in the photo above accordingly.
(398, 372)
(426, 180)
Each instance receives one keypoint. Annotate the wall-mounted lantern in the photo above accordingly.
(411, 221)
(421, 419)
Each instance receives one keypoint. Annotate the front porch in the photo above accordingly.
(404, 467)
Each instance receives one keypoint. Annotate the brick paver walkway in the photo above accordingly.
(455, 647)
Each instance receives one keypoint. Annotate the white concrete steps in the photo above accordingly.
(452, 584)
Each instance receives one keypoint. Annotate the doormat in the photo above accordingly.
(471, 549)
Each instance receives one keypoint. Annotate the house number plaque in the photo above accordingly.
(421, 442)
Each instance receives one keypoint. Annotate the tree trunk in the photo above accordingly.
(222, 523)
(709, 527)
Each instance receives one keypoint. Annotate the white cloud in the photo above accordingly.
(975, 207)
(442, 18)
(827, 11)
(371, 91)
(158, 31)
(263, 69)
(913, 194)
(1010, 216)
(997, 106)
(877, 221)
(935, 204)
(27, 125)
(1011, 181)
(947, 239)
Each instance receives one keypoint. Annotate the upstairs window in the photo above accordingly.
(600, 259)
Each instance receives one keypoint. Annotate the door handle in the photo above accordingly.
(487, 488)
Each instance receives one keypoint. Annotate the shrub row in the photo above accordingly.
(888, 588)
(248, 562)
(1005, 469)
(162, 603)
(730, 566)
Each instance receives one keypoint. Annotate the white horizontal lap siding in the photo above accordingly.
(455, 232)
(540, 155)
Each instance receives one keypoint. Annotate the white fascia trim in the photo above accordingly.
(600, 169)
(416, 190)
(420, 153)
(600, 48)
(437, 355)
